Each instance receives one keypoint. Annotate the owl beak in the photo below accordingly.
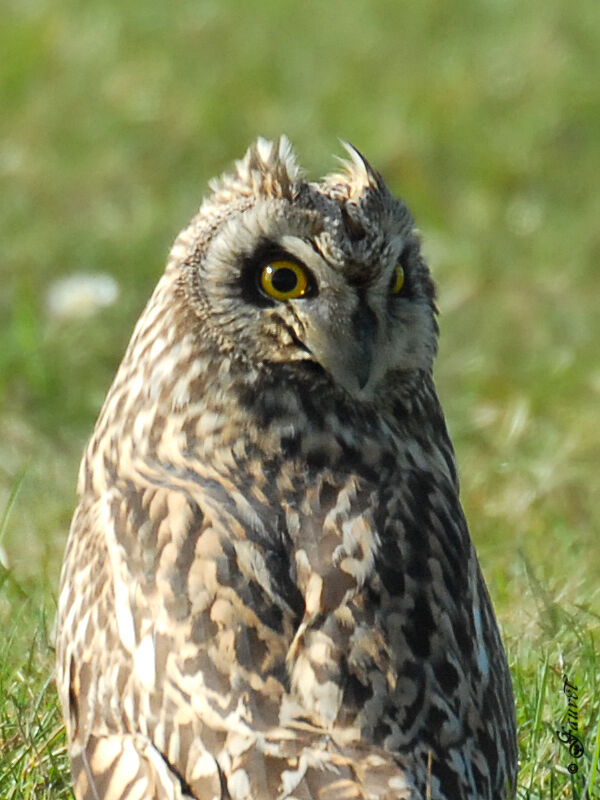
(364, 324)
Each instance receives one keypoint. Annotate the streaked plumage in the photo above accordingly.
(269, 589)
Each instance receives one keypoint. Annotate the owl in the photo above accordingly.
(269, 590)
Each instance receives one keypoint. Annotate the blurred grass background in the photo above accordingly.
(484, 115)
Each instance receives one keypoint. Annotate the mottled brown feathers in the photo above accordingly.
(269, 589)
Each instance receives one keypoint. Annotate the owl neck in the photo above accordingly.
(179, 401)
(305, 416)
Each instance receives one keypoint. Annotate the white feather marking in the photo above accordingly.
(209, 423)
(238, 785)
(124, 618)
(357, 159)
(264, 148)
(134, 389)
(126, 767)
(158, 346)
(313, 594)
(144, 662)
(287, 155)
(141, 426)
(121, 587)
(105, 752)
(180, 396)
(290, 779)
(128, 707)
(159, 739)
(203, 767)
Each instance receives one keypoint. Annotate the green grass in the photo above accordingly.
(484, 115)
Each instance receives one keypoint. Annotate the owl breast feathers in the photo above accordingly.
(269, 588)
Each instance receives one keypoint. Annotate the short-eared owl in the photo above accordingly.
(269, 589)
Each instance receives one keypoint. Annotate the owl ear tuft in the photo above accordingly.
(356, 171)
(268, 169)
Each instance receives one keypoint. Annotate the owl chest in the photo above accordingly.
(324, 511)
(313, 501)
(285, 525)
(314, 493)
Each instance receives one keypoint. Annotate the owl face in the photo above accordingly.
(325, 276)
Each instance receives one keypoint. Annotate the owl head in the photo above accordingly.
(326, 277)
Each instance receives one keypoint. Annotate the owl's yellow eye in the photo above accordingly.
(397, 280)
(284, 280)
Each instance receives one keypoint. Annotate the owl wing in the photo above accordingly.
(451, 698)
(176, 625)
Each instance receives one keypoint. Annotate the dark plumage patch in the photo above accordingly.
(250, 651)
(390, 568)
(447, 676)
(449, 779)
(419, 627)
(356, 693)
